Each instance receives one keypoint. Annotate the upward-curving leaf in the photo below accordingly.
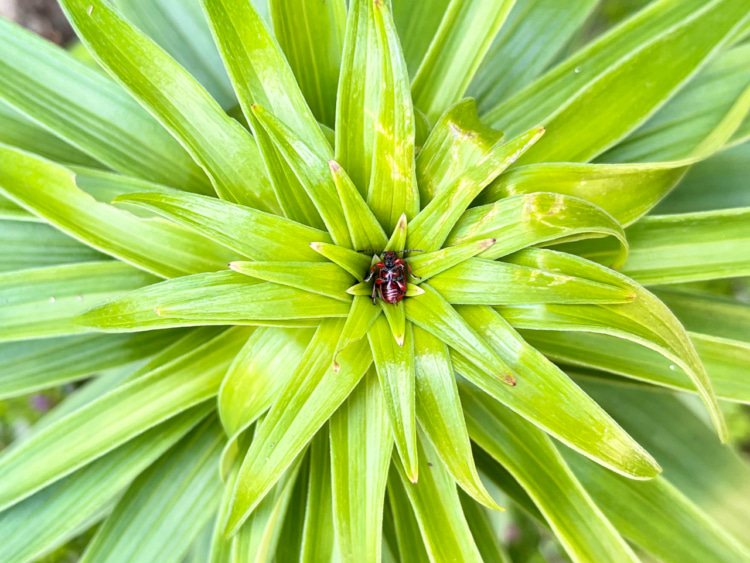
(393, 183)
(217, 142)
(259, 71)
(429, 230)
(464, 36)
(311, 34)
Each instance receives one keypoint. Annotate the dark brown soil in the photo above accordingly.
(40, 16)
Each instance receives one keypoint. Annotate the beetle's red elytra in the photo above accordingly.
(390, 283)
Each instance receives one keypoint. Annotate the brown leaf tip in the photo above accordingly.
(509, 379)
(334, 166)
(488, 242)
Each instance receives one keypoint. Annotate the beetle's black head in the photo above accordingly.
(389, 258)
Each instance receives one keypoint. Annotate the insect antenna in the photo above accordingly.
(367, 251)
(413, 251)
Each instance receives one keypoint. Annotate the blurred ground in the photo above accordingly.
(40, 16)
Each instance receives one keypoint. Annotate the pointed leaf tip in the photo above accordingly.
(334, 166)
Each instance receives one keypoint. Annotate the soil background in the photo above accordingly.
(40, 16)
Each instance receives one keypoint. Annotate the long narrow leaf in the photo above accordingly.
(312, 37)
(51, 193)
(464, 36)
(531, 457)
(223, 148)
(361, 446)
(43, 302)
(440, 415)
(129, 410)
(61, 94)
(306, 402)
(173, 500)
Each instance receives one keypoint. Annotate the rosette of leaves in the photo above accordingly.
(181, 224)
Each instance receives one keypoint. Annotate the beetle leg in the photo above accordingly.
(369, 276)
(374, 294)
(412, 273)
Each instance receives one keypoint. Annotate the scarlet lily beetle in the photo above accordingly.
(390, 283)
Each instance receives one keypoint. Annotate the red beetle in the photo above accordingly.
(390, 282)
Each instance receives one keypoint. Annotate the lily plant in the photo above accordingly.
(193, 223)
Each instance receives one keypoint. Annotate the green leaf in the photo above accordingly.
(290, 192)
(54, 514)
(356, 263)
(179, 27)
(431, 264)
(125, 412)
(680, 248)
(204, 299)
(43, 302)
(716, 474)
(258, 69)
(627, 191)
(411, 547)
(32, 365)
(258, 235)
(690, 117)
(453, 58)
(357, 96)
(318, 536)
(440, 415)
(417, 28)
(293, 528)
(482, 531)
(61, 94)
(395, 367)
(308, 170)
(365, 230)
(362, 315)
(51, 193)
(533, 219)
(646, 321)
(259, 537)
(308, 399)
(322, 278)
(611, 57)
(167, 506)
(222, 147)
(312, 37)
(433, 313)
(678, 54)
(361, 446)
(26, 244)
(546, 397)
(458, 142)
(17, 130)
(679, 532)
(431, 227)
(716, 183)
(716, 316)
(725, 360)
(521, 221)
(531, 458)
(486, 282)
(534, 34)
(393, 185)
(258, 373)
(438, 509)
